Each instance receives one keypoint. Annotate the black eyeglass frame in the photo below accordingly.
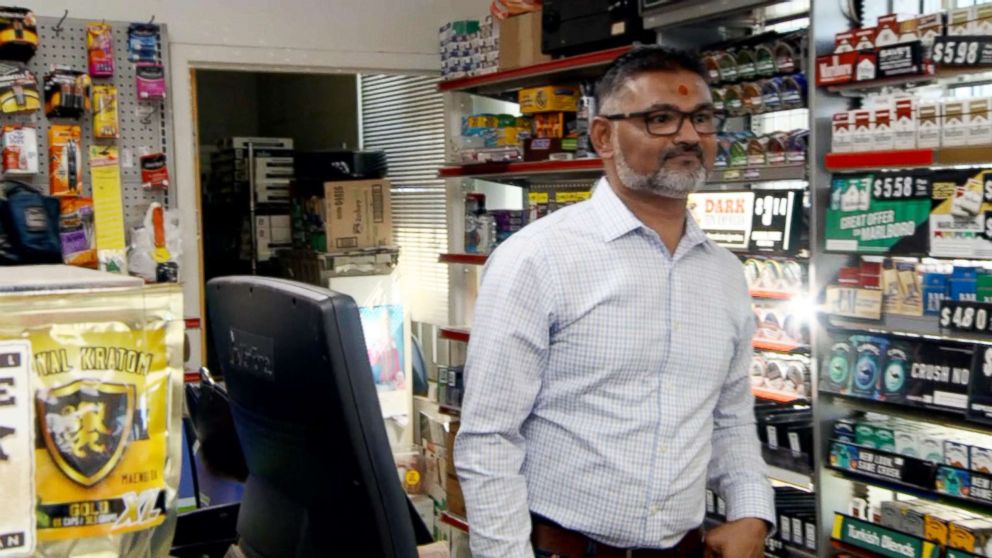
(721, 119)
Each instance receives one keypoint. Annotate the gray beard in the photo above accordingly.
(663, 182)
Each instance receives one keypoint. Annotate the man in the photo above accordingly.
(607, 375)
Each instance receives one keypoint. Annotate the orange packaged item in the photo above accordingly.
(65, 160)
(554, 125)
(77, 232)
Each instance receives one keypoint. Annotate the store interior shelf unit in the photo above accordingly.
(908, 158)
(593, 168)
(924, 327)
(570, 69)
(792, 478)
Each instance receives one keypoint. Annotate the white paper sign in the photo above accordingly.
(17, 518)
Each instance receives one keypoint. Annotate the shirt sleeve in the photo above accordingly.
(506, 356)
(737, 470)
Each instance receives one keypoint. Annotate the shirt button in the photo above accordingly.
(678, 326)
(668, 386)
(663, 450)
(655, 510)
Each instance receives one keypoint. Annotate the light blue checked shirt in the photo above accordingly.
(607, 384)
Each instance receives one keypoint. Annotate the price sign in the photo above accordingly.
(962, 51)
(900, 186)
(966, 316)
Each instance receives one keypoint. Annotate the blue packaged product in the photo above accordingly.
(963, 284)
(934, 291)
(869, 360)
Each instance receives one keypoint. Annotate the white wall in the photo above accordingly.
(290, 35)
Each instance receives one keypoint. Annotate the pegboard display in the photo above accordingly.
(145, 126)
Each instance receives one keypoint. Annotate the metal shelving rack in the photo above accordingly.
(835, 487)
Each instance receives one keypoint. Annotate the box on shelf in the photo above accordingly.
(359, 214)
(549, 98)
(520, 41)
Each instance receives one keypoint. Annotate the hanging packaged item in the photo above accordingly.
(156, 246)
(18, 88)
(108, 207)
(67, 93)
(65, 160)
(105, 378)
(100, 49)
(18, 34)
(150, 82)
(143, 42)
(20, 150)
(31, 223)
(77, 232)
(154, 172)
(105, 120)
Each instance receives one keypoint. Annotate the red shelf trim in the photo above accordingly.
(769, 395)
(764, 345)
(525, 167)
(454, 521)
(562, 64)
(455, 334)
(880, 159)
(773, 295)
(468, 259)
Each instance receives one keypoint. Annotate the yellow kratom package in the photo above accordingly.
(106, 385)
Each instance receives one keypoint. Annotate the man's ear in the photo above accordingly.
(601, 134)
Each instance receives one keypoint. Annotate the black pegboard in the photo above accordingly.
(149, 131)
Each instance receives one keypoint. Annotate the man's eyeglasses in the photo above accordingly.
(668, 122)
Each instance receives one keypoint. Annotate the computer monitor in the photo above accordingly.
(322, 480)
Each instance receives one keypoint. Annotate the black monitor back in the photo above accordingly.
(322, 480)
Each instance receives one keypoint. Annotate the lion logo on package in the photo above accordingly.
(86, 426)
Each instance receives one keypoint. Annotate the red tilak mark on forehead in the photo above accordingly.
(683, 90)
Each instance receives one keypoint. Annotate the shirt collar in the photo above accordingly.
(617, 219)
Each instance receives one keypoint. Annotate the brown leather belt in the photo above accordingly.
(564, 543)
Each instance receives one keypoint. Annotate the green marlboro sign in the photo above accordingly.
(879, 540)
(860, 221)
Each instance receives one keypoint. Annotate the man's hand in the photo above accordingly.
(744, 538)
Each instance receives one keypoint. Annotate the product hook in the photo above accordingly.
(58, 26)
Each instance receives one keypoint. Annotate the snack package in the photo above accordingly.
(65, 160)
(18, 89)
(18, 34)
(143, 42)
(154, 172)
(105, 121)
(67, 93)
(100, 49)
(77, 232)
(150, 80)
(105, 400)
(20, 150)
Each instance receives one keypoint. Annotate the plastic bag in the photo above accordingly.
(142, 260)
(106, 380)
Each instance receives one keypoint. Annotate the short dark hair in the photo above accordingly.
(649, 58)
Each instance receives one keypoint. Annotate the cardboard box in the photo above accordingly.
(359, 214)
(955, 128)
(520, 41)
(842, 132)
(904, 124)
(978, 122)
(549, 98)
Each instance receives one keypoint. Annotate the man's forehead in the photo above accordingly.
(679, 88)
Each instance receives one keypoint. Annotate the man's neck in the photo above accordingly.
(665, 216)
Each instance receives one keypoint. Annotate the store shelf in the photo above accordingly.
(450, 411)
(778, 346)
(455, 334)
(926, 479)
(910, 327)
(956, 76)
(758, 174)
(525, 170)
(572, 69)
(907, 158)
(466, 259)
(455, 521)
(951, 418)
(681, 13)
(792, 478)
(772, 295)
(777, 396)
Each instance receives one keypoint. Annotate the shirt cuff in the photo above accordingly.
(752, 500)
